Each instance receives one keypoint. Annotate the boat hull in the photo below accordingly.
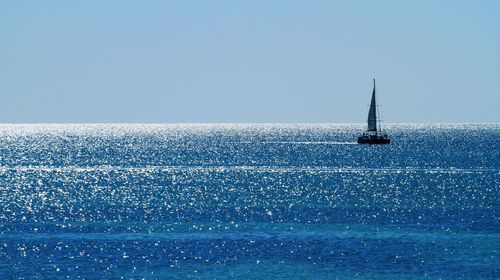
(374, 139)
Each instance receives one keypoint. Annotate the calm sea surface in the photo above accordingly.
(249, 201)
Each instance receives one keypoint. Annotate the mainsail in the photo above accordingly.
(372, 114)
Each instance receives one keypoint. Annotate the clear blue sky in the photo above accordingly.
(248, 61)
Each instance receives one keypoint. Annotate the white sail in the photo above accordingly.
(372, 114)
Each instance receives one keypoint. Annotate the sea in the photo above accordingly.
(249, 201)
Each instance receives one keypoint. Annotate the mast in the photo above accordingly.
(372, 113)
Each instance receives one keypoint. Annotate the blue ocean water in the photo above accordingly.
(249, 201)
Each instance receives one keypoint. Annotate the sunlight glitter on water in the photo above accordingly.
(148, 201)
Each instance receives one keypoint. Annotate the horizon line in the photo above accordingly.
(228, 123)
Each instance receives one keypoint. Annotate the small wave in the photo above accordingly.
(243, 168)
(310, 142)
(238, 235)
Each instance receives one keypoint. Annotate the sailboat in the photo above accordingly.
(373, 135)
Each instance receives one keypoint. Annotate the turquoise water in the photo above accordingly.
(249, 201)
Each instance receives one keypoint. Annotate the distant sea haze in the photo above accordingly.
(226, 201)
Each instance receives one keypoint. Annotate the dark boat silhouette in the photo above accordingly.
(372, 134)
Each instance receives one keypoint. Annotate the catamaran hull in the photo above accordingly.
(373, 140)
